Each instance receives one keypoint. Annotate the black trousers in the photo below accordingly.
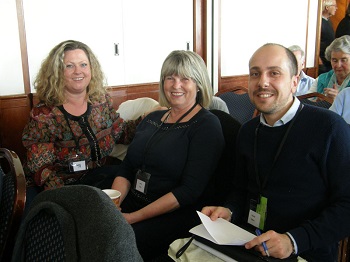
(153, 236)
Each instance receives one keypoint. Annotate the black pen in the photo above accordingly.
(258, 233)
(184, 247)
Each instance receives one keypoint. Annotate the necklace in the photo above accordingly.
(167, 117)
(182, 117)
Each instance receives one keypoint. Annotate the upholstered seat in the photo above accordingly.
(75, 223)
(238, 103)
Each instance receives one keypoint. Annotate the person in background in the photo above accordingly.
(303, 209)
(218, 103)
(172, 157)
(341, 104)
(329, 8)
(332, 82)
(74, 127)
(343, 27)
(304, 81)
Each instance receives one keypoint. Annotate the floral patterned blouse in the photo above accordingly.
(54, 138)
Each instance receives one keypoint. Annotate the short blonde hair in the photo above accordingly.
(190, 65)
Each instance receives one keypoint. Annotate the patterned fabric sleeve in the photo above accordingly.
(37, 138)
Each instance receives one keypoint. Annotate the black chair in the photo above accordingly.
(12, 196)
(316, 99)
(221, 182)
(75, 223)
(238, 103)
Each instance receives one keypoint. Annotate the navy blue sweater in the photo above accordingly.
(308, 188)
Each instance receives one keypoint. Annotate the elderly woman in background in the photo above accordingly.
(332, 82)
(172, 157)
(73, 129)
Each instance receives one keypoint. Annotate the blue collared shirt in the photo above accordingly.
(341, 104)
(304, 84)
(286, 117)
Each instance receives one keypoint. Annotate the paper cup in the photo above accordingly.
(113, 194)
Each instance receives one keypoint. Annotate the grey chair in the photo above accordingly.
(75, 223)
(238, 103)
(12, 200)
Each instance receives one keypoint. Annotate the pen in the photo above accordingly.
(258, 233)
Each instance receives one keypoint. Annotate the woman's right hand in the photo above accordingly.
(331, 92)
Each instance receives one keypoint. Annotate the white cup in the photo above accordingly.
(113, 194)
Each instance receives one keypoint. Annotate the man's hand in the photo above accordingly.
(278, 245)
(215, 212)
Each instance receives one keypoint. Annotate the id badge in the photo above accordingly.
(258, 212)
(142, 181)
(77, 164)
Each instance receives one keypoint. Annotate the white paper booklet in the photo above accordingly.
(221, 231)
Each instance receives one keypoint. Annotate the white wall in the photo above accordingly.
(246, 25)
(250, 24)
(11, 76)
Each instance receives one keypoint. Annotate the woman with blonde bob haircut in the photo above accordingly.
(189, 65)
(172, 157)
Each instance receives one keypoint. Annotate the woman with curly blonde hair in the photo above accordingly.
(73, 129)
(50, 83)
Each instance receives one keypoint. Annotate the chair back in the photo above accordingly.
(44, 228)
(221, 182)
(12, 200)
(238, 103)
(316, 99)
(75, 223)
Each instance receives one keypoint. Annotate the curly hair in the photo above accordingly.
(50, 84)
(190, 65)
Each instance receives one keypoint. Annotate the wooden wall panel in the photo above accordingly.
(242, 80)
(231, 81)
(339, 15)
(14, 114)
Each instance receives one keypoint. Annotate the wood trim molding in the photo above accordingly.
(23, 46)
(200, 28)
(231, 81)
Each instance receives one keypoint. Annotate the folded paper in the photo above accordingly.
(221, 231)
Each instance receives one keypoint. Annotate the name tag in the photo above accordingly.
(75, 166)
(254, 218)
(141, 181)
(257, 212)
